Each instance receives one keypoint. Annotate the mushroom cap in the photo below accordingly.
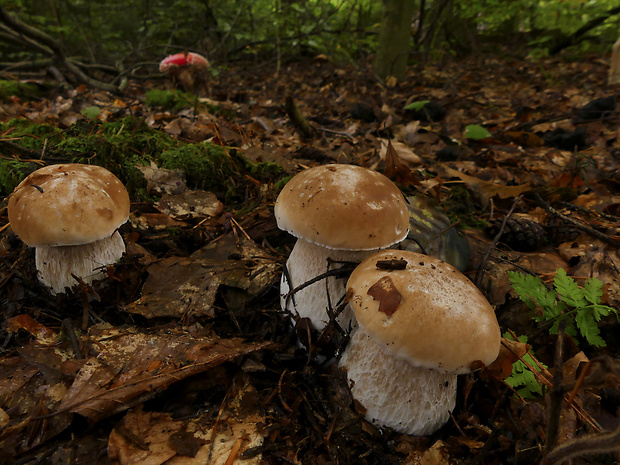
(68, 204)
(343, 207)
(183, 59)
(427, 313)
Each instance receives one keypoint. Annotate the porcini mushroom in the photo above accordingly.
(186, 68)
(70, 213)
(338, 213)
(421, 323)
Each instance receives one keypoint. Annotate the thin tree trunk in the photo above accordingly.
(394, 38)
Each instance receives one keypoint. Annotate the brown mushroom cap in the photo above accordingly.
(68, 204)
(343, 207)
(426, 313)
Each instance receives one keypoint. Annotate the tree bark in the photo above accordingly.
(394, 38)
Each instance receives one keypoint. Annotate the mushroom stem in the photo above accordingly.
(396, 394)
(56, 264)
(307, 261)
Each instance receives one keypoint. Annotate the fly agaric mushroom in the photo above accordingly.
(421, 323)
(338, 213)
(186, 68)
(70, 213)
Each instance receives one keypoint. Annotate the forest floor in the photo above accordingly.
(182, 355)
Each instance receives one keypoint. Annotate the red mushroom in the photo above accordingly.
(185, 68)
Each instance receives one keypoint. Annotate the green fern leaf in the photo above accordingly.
(588, 328)
(568, 290)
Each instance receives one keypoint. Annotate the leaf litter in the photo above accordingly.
(187, 358)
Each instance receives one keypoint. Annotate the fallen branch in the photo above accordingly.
(298, 120)
(39, 40)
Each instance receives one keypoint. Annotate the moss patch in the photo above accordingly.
(121, 146)
(23, 90)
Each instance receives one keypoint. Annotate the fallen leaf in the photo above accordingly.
(26, 322)
(153, 438)
(190, 204)
(131, 365)
(509, 352)
(386, 293)
(486, 190)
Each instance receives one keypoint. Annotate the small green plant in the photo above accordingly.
(522, 379)
(580, 307)
(91, 112)
(417, 105)
(476, 132)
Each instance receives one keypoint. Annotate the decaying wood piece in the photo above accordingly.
(298, 120)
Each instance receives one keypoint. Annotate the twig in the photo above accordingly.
(588, 230)
(339, 273)
(592, 444)
(484, 260)
(557, 394)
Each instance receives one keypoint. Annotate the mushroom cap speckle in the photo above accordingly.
(427, 313)
(343, 207)
(68, 204)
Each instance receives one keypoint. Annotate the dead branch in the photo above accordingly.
(39, 40)
(592, 444)
(298, 120)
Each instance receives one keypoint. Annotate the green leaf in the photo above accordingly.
(568, 290)
(593, 290)
(476, 132)
(588, 328)
(522, 379)
(415, 106)
(533, 292)
(91, 112)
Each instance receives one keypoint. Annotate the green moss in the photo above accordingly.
(462, 208)
(30, 135)
(175, 100)
(12, 171)
(172, 100)
(207, 166)
(121, 146)
(23, 90)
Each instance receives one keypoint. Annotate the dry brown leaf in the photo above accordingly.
(179, 286)
(190, 204)
(26, 322)
(486, 190)
(152, 438)
(386, 293)
(163, 181)
(509, 352)
(132, 365)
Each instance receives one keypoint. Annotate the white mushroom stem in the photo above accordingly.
(396, 394)
(306, 262)
(87, 261)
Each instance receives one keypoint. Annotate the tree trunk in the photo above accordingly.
(394, 38)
